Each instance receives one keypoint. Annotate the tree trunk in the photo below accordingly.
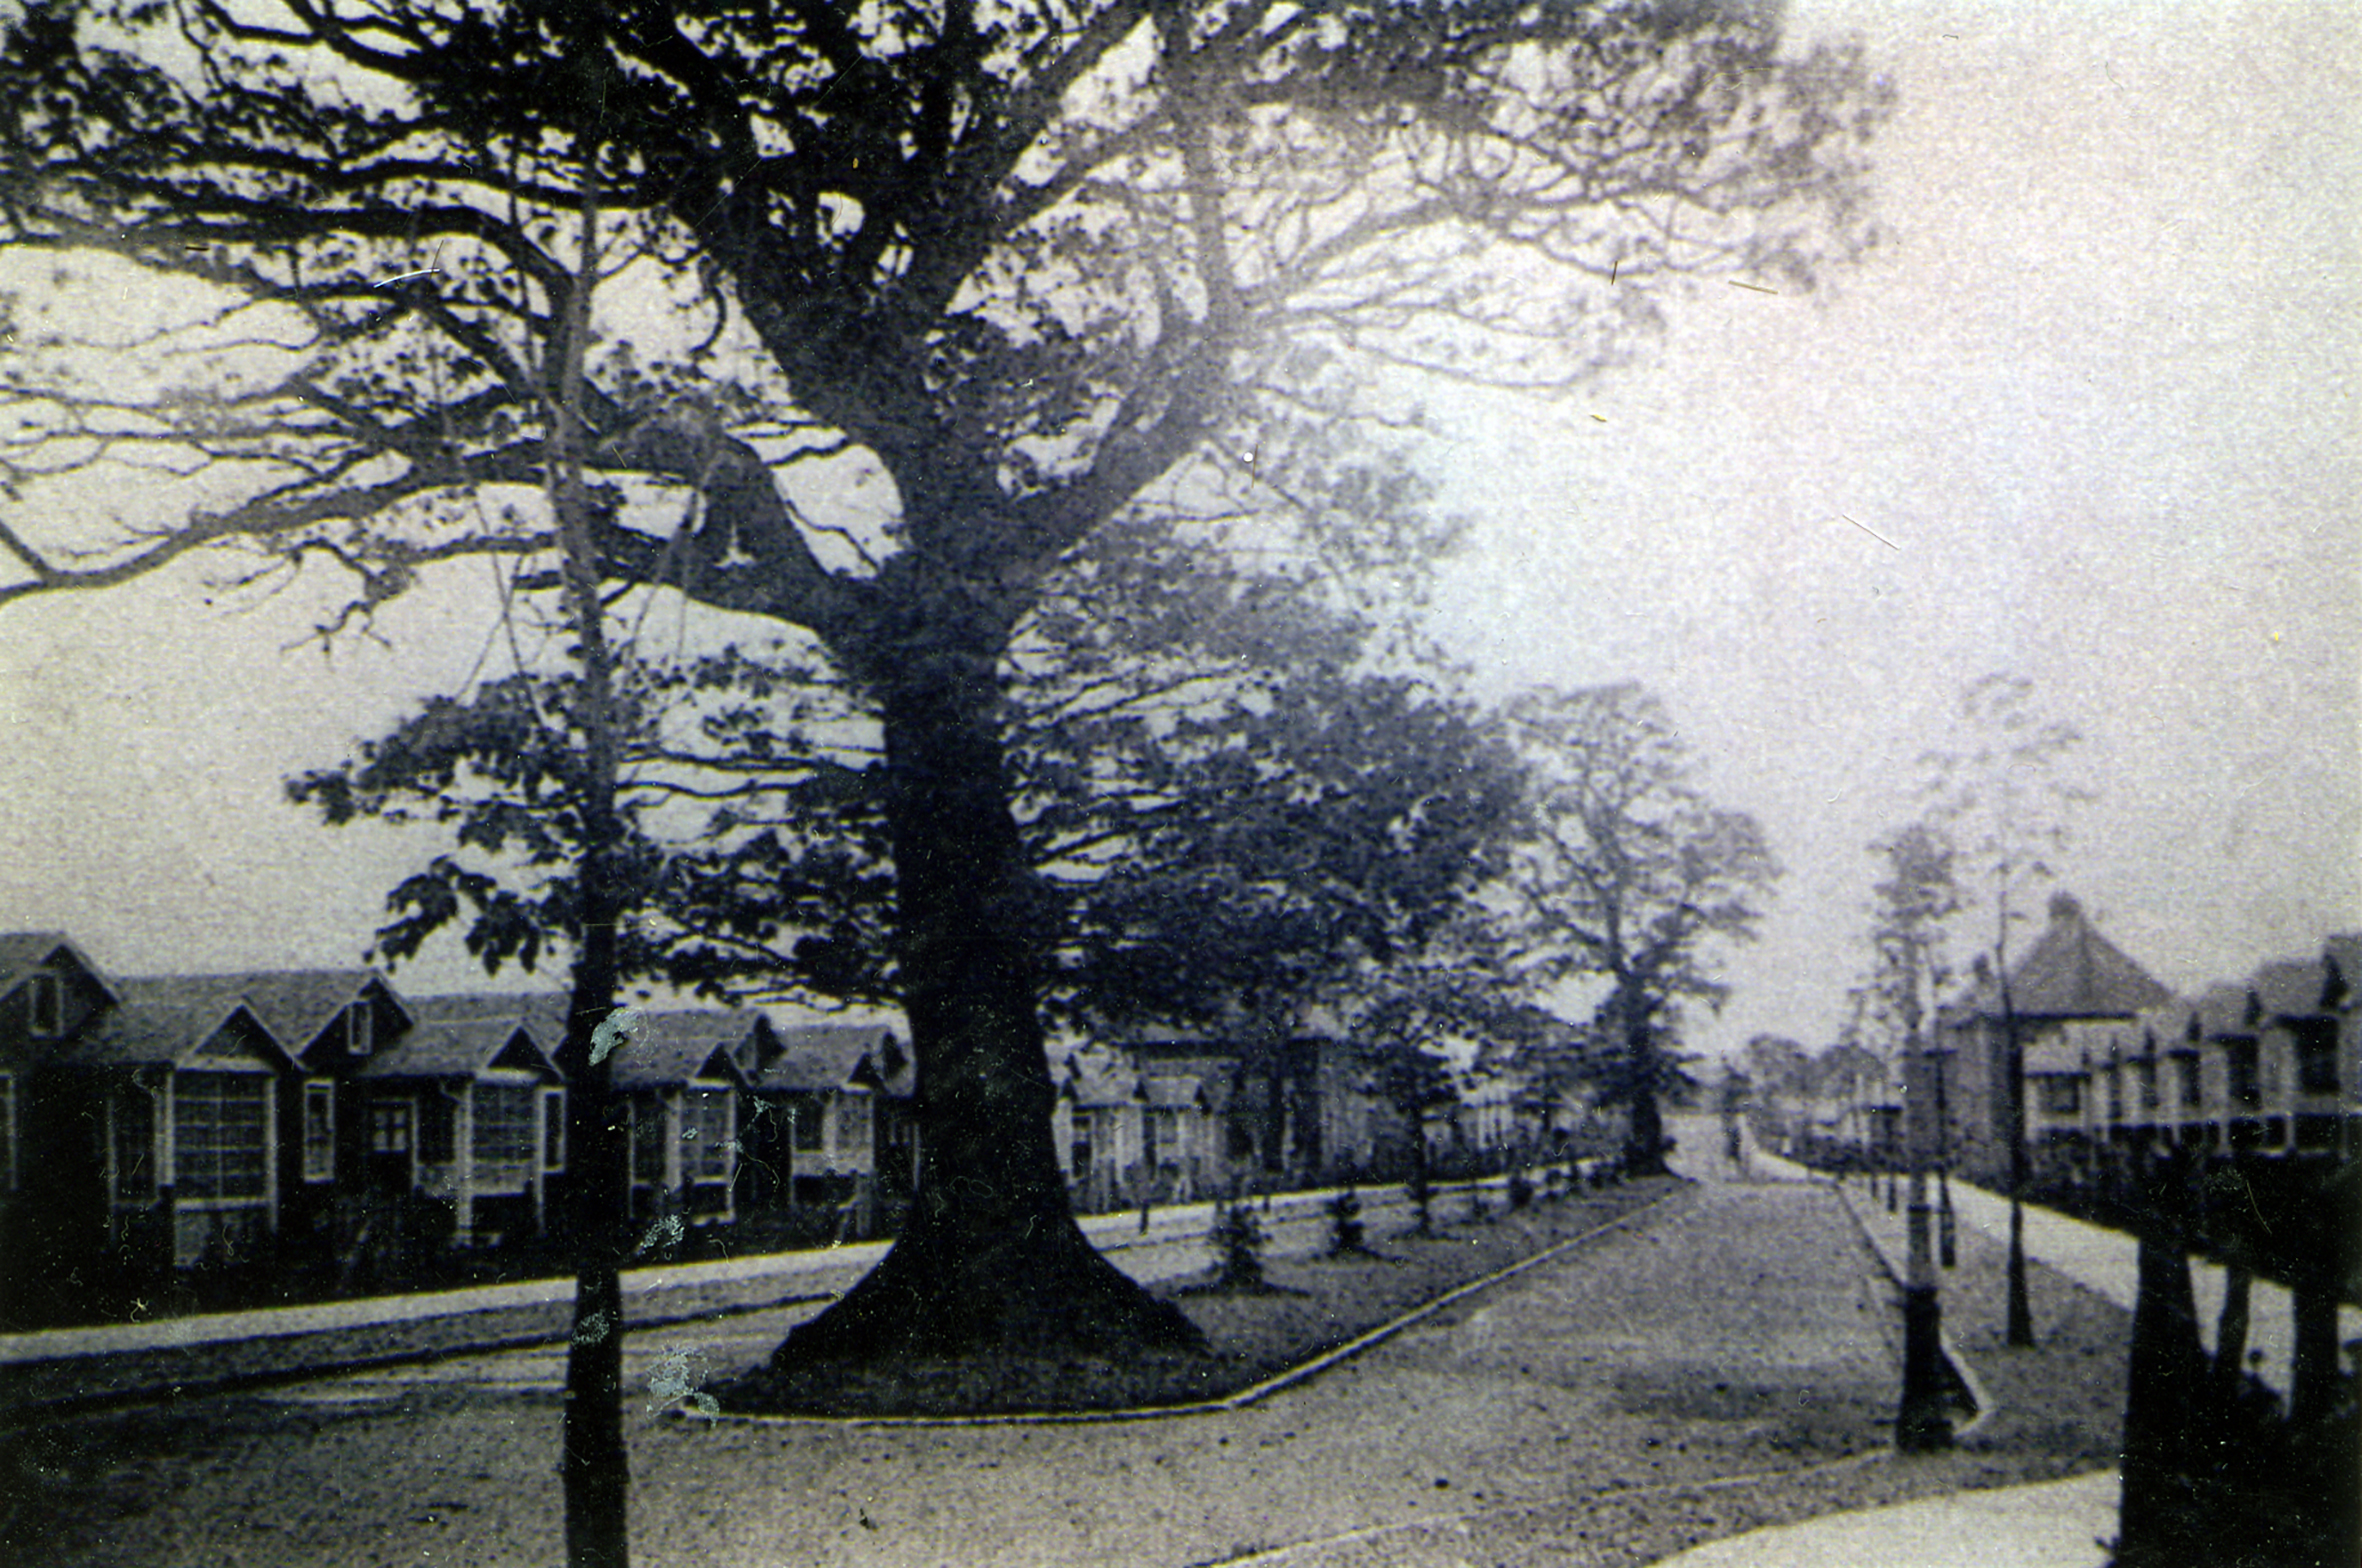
(1644, 1148)
(2165, 1507)
(594, 1468)
(990, 1260)
(2020, 1332)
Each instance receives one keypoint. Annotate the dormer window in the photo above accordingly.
(359, 1029)
(46, 1004)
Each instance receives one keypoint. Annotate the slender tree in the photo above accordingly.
(1626, 872)
(1027, 265)
(1907, 913)
(2004, 796)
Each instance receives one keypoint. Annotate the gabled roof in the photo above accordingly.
(2226, 1010)
(2073, 972)
(1097, 1080)
(23, 952)
(463, 1049)
(813, 1057)
(674, 1047)
(168, 1023)
(2291, 988)
(299, 1004)
(2343, 953)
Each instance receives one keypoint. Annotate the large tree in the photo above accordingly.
(1028, 264)
(1629, 874)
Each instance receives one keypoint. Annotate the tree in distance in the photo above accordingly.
(1628, 873)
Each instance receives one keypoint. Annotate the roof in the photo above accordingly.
(2226, 1009)
(22, 952)
(674, 1047)
(2073, 972)
(298, 1004)
(2292, 987)
(462, 1049)
(2344, 952)
(168, 1023)
(1100, 1082)
(543, 1012)
(826, 1056)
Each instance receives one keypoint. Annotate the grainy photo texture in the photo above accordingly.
(1179, 782)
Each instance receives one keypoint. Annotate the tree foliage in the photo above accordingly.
(1627, 872)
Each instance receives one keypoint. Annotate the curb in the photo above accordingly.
(1252, 1394)
(1962, 1369)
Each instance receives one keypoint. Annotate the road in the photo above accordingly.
(1614, 1400)
(681, 1354)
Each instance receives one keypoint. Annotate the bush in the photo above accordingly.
(1521, 1189)
(1346, 1233)
(1238, 1247)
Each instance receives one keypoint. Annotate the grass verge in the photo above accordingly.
(1306, 1308)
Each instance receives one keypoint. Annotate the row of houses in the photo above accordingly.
(159, 1122)
(1169, 1117)
(153, 1124)
(2270, 1065)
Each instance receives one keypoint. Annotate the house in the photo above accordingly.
(332, 1022)
(2305, 1016)
(176, 1085)
(1098, 1126)
(679, 1080)
(49, 991)
(829, 1119)
(2071, 973)
(467, 1107)
(1182, 1132)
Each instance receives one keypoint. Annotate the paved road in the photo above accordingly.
(1734, 1333)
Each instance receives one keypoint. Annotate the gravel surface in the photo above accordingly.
(1723, 1364)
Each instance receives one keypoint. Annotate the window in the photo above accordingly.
(435, 1127)
(2060, 1095)
(45, 1006)
(503, 1133)
(647, 1143)
(7, 1133)
(553, 1129)
(220, 1135)
(2186, 1069)
(360, 1029)
(853, 1111)
(2316, 1054)
(1167, 1125)
(2115, 1094)
(389, 1127)
(804, 1112)
(2144, 1074)
(133, 1136)
(705, 1135)
(2239, 1061)
(319, 1131)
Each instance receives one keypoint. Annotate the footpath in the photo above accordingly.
(50, 1368)
(2059, 1524)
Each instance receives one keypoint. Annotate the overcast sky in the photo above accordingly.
(2091, 412)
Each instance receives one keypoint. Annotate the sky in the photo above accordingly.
(2087, 415)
